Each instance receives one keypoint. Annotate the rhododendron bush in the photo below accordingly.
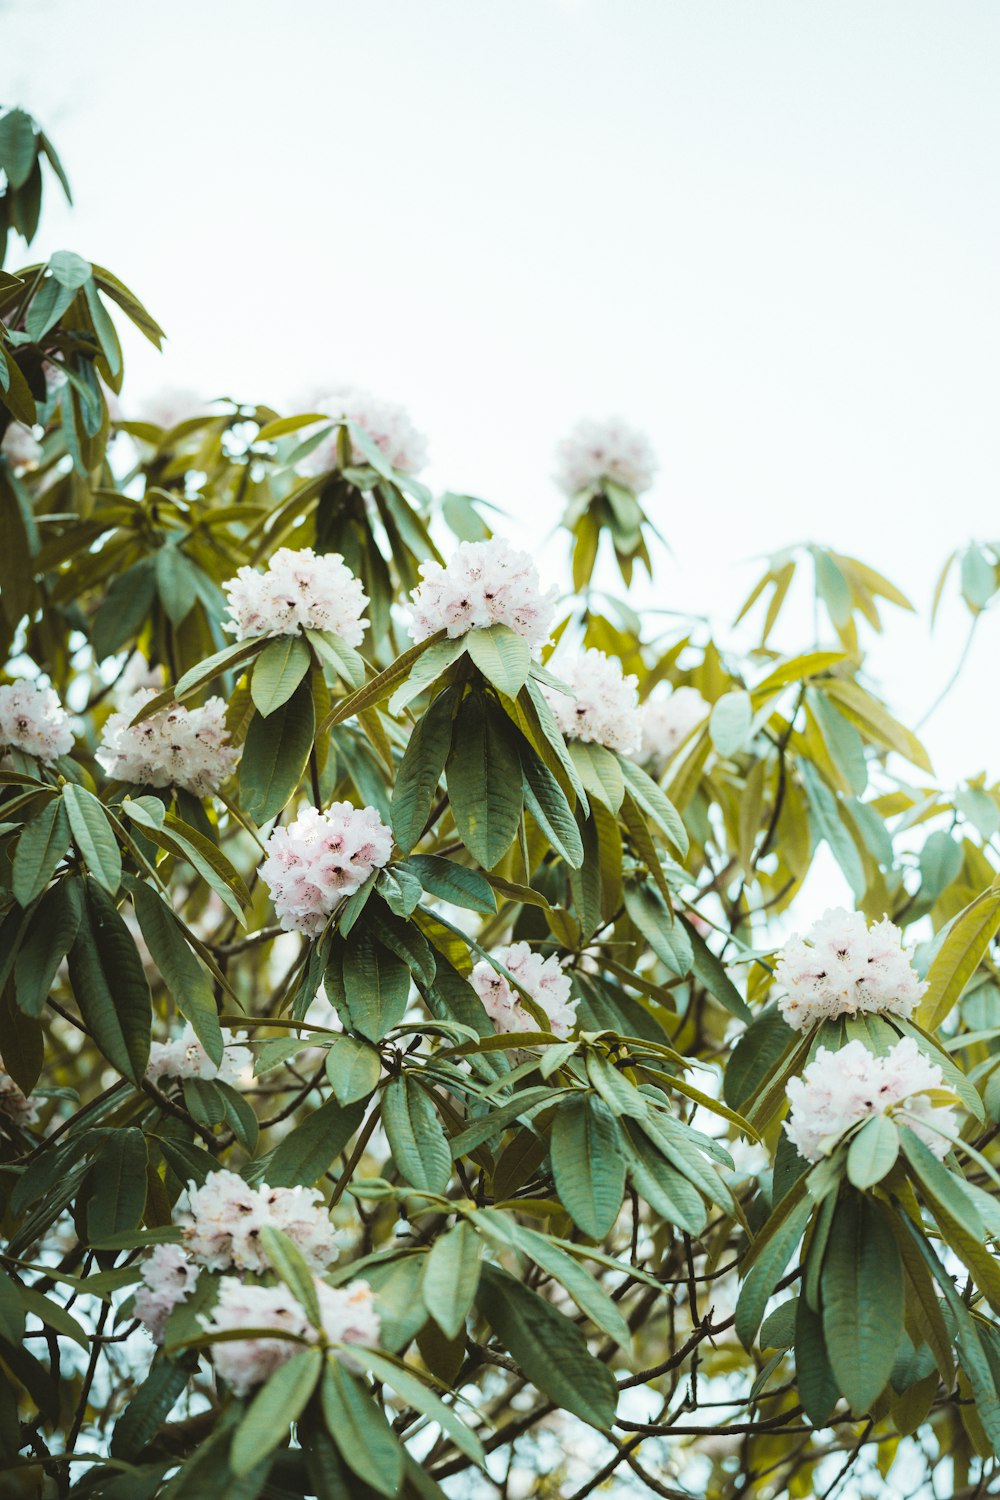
(423, 1070)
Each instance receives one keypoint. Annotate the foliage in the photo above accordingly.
(555, 1228)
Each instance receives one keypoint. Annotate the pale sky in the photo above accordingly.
(766, 233)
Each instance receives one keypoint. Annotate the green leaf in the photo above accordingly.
(863, 1297)
(451, 1276)
(118, 1184)
(406, 1383)
(454, 883)
(817, 1384)
(549, 1348)
(176, 584)
(376, 985)
(70, 269)
(186, 979)
(664, 933)
(17, 147)
(421, 770)
(277, 672)
(275, 755)
(49, 937)
(277, 1404)
(306, 1152)
(587, 1293)
(93, 836)
(47, 307)
(41, 846)
(503, 657)
(149, 1408)
(660, 1185)
(731, 722)
(288, 1261)
(544, 799)
(357, 1424)
(587, 1163)
(168, 832)
(655, 803)
(426, 669)
(959, 956)
(768, 1267)
(830, 825)
(416, 1138)
(110, 987)
(353, 1068)
(484, 780)
(600, 771)
(873, 1152)
(336, 653)
(710, 972)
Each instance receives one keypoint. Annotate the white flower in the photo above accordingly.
(596, 451)
(170, 406)
(168, 1277)
(347, 1315)
(482, 584)
(667, 720)
(386, 423)
(840, 1088)
(542, 978)
(222, 1220)
(320, 858)
(14, 1103)
(297, 591)
(138, 674)
(842, 967)
(20, 447)
(603, 704)
(185, 1057)
(33, 720)
(184, 747)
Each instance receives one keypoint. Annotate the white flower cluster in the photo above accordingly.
(168, 1277)
(20, 447)
(185, 1057)
(840, 1088)
(482, 584)
(596, 451)
(604, 706)
(137, 674)
(183, 747)
(386, 423)
(347, 1316)
(320, 858)
(667, 720)
(223, 1218)
(843, 966)
(542, 978)
(33, 720)
(297, 591)
(14, 1103)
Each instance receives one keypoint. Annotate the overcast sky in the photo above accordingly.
(767, 233)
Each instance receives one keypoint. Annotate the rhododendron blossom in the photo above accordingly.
(347, 1316)
(182, 747)
(20, 447)
(298, 590)
(386, 423)
(168, 1277)
(843, 967)
(318, 859)
(542, 978)
(222, 1220)
(185, 1057)
(840, 1088)
(667, 720)
(597, 451)
(482, 584)
(602, 705)
(14, 1103)
(34, 721)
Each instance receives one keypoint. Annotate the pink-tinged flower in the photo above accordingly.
(595, 452)
(21, 448)
(320, 858)
(542, 978)
(838, 1089)
(33, 720)
(602, 706)
(14, 1103)
(183, 747)
(482, 584)
(667, 720)
(844, 967)
(185, 1057)
(386, 423)
(297, 591)
(168, 1277)
(223, 1218)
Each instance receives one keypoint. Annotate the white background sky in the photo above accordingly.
(767, 233)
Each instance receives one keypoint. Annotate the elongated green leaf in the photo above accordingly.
(277, 672)
(959, 957)
(406, 1383)
(110, 986)
(149, 1408)
(336, 653)
(118, 1184)
(712, 974)
(288, 1261)
(421, 770)
(731, 721)
(503, 657)
(376, 985)
(42, 844)
(873, 1152)
(600, 771)
(185, 978)
(353, 1068)
(484, 780)
(655, 803)
(660, 1185)
(664, 933)
(454, 883)
(550, 1349)
(817, 1384)
(93, 836)
(767, 1270)
(587, 1163)
(863, 1294)
(275, 755)
(544, 799)
(275, 1407)
(357, 1424)
(306, 1152)
(451, 1276)
(50, 935)
(416, 1138)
